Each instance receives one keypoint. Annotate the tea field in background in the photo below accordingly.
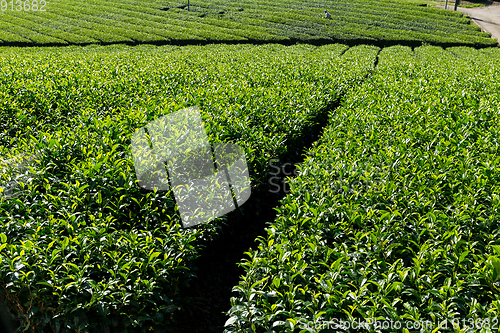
(396, 212)
(83, 247)
(380, 22)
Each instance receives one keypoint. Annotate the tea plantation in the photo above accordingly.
(392, 108)
(384, 22)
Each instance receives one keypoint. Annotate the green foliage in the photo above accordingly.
(375, 21)
(395, 214)
(83, 248)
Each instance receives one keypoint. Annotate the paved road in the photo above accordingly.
(488, 17)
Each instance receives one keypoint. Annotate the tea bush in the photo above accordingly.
(395, 214)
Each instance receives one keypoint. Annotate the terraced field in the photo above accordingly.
(383, 22)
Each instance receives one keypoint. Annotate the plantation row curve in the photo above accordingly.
(380, 22)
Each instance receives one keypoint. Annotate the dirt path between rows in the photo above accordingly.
(488, 17)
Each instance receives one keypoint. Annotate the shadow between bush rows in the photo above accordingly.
(208, 295)
(291, 41)
(216, 268)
